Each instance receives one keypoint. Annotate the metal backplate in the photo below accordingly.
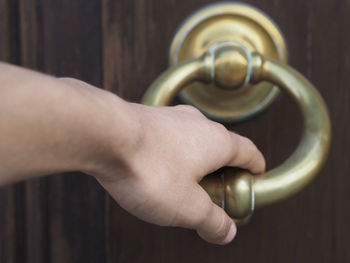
(228, 22)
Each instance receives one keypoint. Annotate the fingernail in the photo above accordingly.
(231, 234)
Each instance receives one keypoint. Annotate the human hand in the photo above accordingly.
(173, 148)
(150, 159)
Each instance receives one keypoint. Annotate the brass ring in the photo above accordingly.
(288, 178)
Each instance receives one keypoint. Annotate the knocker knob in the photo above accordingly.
(231, 66)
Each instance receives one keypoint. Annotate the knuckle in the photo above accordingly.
(72, 81)
(188, 108)
(221, 130)
(250, 146)
(226, 139)
(68, 79)
(220, 127)
(246, 141)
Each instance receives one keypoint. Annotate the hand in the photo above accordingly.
(150, 159)
(158, 179)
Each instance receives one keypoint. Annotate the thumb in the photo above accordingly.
(218, 228)
(210, 221)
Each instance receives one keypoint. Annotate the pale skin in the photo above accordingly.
(149, 159)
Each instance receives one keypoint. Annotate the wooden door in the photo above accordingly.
(121, 46)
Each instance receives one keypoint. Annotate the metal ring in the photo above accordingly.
(308, 158)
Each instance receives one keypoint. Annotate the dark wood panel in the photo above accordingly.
(62, 218)
(7, 225)
(68, 43)
(36, 223)
(330, 52)
(11, 197)
(312, 226)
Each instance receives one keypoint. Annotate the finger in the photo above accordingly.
(245, 154)
(210, 221)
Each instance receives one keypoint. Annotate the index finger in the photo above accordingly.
(244, 154)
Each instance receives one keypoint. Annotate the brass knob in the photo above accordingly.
(230, 69)
(230, 64)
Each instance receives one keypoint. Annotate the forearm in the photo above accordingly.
(149, 159)
(48, 126)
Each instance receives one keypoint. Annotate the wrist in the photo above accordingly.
(113, 133)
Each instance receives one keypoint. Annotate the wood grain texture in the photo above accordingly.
(312, 226)
(67, 43)
(61, 218)
(11, 197)
(123, 46)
